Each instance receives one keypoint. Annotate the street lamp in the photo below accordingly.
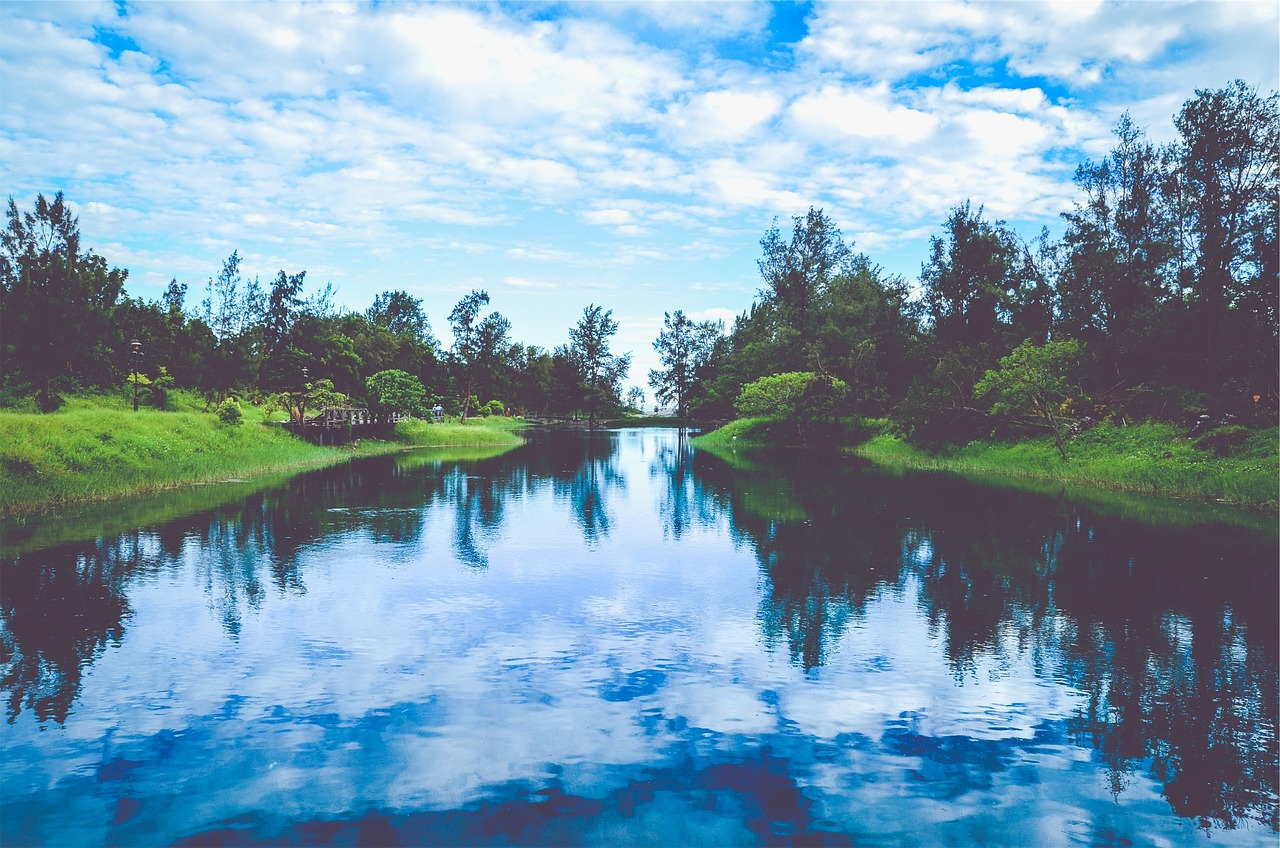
(302, 398)
(137, 351)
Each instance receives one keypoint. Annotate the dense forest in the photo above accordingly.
(1158, 301)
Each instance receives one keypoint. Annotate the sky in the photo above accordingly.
(558, 155)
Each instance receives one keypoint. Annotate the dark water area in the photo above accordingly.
(618, 639)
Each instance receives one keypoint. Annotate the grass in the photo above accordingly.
(1232, 466)
(494, 430)
(773, 432)
(93, 451)
(1153, 458)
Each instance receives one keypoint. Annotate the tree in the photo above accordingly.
(800, 397)
(1033, 385)
(601, 371)
(232, 314)
(971, 280)
(282, 306)
(481, 349)
(635, 398)
(55, 301)
(684, 347)
(1230, 176)
(797, 273)
(1118, 262)
(402, 315)
(395, 391)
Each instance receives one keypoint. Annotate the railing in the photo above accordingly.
(340, 422)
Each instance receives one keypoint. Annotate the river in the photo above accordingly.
(618, 639)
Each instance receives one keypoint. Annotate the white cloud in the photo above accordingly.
(714, 313)
(835, 112)
(654, 142)
(723, 116)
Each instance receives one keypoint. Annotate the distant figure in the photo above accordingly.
(437, 414)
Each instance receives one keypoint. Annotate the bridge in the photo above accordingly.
(336, 425)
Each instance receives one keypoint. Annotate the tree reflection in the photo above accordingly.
(1167, 632)
(584, 472)
(822, 568)
(58, 611)
(61, 607)
(682, 501)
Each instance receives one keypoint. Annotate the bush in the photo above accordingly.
(396, 391)
(230, 413)
(1223, 440)
(493, 407)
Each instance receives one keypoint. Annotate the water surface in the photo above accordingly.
(616, 639)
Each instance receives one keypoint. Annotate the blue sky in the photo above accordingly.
(556, 155)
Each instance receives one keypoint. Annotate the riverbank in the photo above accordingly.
(87, 454)
(1232, 465)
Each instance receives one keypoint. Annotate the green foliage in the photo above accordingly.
(394, 391)
(1150, 458)
(1033, 384)
(161, 386)
(600, 371)
(493, 407)
(56, 301)
(230, 413)
(402, 315)
(797, 396)
(685, 349)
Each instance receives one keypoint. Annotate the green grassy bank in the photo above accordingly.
(85, 453)
(1155, 459)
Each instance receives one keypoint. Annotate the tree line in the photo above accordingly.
(68, 325)
(1159, 300)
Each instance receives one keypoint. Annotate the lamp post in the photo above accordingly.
(302, 398)
(137, 351)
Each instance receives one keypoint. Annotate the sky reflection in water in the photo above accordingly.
(617, 639)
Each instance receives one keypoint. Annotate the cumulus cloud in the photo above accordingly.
(654, 140)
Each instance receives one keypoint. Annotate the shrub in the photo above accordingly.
(800, 397)
(493, 407)
(396, 391)
(230, 413)
(1223, 440)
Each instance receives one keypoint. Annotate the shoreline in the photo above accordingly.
(62, 460)
(1138, 460)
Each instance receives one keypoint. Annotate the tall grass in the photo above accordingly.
(494, 430)
(88, 452)
(1150, 458)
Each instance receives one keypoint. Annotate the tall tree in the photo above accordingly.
(402, 314)
(1230, 175)
(481, 349)
(601, 370)
(55, 301)
(1120, 248)
(684, 347)
(797, 273)
(283, 303)
(971, 280)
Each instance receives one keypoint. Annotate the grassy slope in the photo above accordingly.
(1148, 458)
(93, 453)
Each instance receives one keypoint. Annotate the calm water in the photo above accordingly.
(619, 640)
